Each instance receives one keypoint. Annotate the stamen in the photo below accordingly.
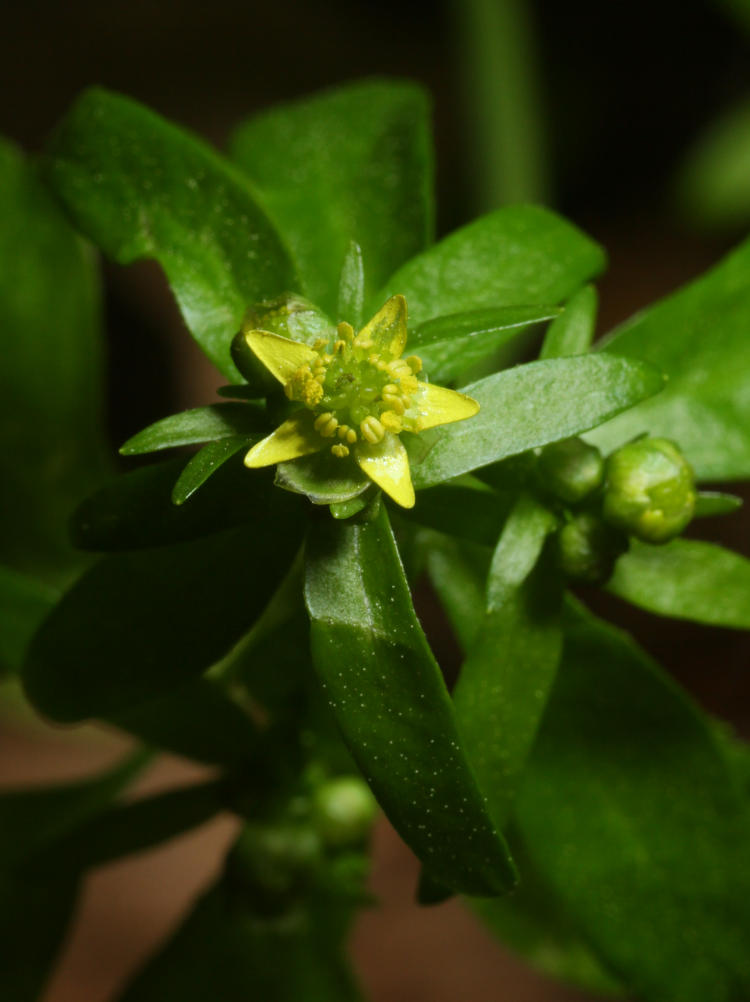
(372, 430)
(392, 421)
(340, 451)
(415, 363)
(326, 424)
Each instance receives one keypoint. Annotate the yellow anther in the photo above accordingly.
(340, 451)
(338, 347)
(345, 331)
(372, 430)
(391, 421)
(390, 388)
(395, 402)
(409, 384)
(415, 363)
(351, 436)
(342, 430)
(319, 343)
(326, 424)
(312, 393)
(363, 342)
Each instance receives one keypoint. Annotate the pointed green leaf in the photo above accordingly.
(711, 503)
(140, 187)
(698, 337)
(139, 624)
(51, 443)
(633, 817)
(352, 288)
(136, 510)
(450, 345)
(534, 404)
(573, 332)
(686, 579)
(392, 706)
(519, 255)
(202, 424)
(464, 507)
(206, 462)
(352, 163)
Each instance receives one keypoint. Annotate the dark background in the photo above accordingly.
(624, 89)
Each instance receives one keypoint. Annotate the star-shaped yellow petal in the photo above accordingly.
(387, 464)
(281, 356)
(387, 329)
(437, 405)
(294, 438)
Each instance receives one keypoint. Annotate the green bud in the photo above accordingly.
(571, 469)
(274, 863)
(650, 490)
(587, 548)
(343, 811)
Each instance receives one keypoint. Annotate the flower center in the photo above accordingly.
(358, 392)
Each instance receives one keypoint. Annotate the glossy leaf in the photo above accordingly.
(710, 503)
(352, 288)
(198, 720)
(206, 462)
(464, 507)
(352, 163)
(631, 814)
(322, 478)
(24, 602)
(686, 579)
(458, 573)
(136, 510)
(51, 443)
(534, 404)
(140, 187)
(450, 345)
(517, 256)
(573, 331)
(390, 701)
(504, 682)
(139, 624)
(698, 337)
(202, 424)
(241, 955)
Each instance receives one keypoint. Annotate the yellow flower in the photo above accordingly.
(358, 394)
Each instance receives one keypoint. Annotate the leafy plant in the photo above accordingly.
(262, 622)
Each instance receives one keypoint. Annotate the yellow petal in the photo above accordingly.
(295, 437)
(387, 329)
(387, 464)
(438, 405)
(281, 356)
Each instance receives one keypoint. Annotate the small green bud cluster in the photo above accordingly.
(645, 490)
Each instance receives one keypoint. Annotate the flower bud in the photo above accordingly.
(343, 811)
(587, 548)
(570, 469)
(650, 490)
(274, 863)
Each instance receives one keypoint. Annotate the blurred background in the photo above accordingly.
(633, 120)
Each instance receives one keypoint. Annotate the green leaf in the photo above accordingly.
(573, 332)
(352, 288)
(519, 255)
(632, 815)
(534, 404)
(450, 345)
(348, 164)
(392, 706)
(198, 720)
(32, 819)
(711, 503)
(206, 462)
(458, 574)
(322, 478)
(235, 954)
(140, 187)
(139, 624)
(24, 602)
(51, 442)
(698, 337)
(202, 424)
(136, 510)
(713, 186)
(464, 507)
(686, 579)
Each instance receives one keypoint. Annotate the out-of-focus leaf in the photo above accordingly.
(140, 187)
(206, 462)
(464, 507)
(353, 163)
(136, 510)
(51, 443)
(521, 255)
(532, 405)
(320, 478)
(698, 337)
(139, 624)
(392, 706)
(448, 346)
(226, 948)
(352, 288)
(631, 814)
(710, 503)
(686, 579)
(202, 424)
(24, 602)
(573, 332)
